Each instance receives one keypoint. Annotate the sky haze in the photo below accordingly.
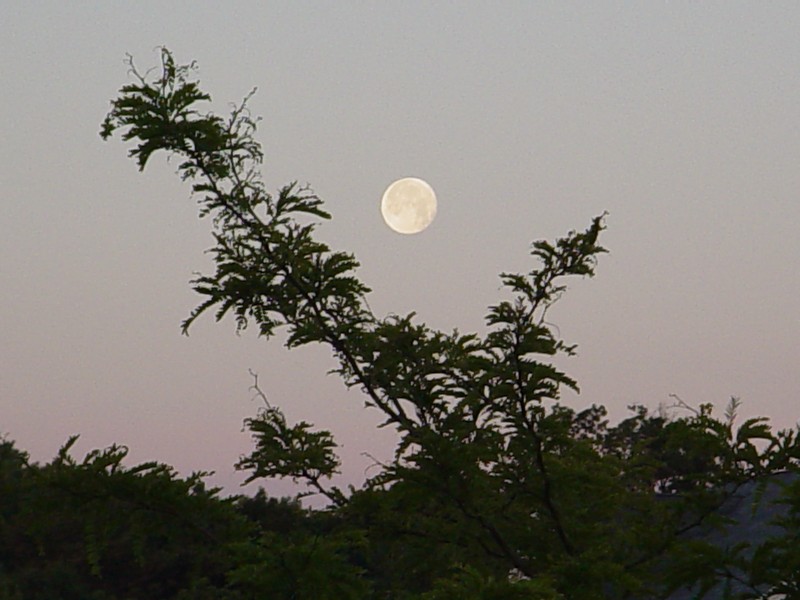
(682, 120)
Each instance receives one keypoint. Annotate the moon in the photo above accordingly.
(408, 205)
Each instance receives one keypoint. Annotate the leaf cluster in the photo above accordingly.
(97, 529)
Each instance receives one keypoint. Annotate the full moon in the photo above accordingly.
(408, 205)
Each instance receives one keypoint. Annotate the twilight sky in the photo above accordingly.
(682, 120)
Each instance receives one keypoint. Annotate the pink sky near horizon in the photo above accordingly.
(528, 119)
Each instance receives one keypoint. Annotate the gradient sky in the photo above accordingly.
(680, 119)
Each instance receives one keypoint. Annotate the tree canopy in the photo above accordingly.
(497, 489)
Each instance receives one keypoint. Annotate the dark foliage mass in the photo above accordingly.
(497, 490)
